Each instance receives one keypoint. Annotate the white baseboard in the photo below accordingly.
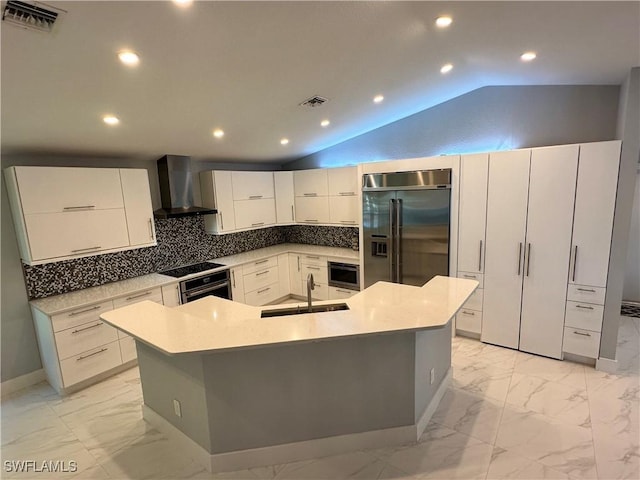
(291, 452)
(607, 365)
(23, 381)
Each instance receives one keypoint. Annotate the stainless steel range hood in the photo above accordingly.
(176, 188)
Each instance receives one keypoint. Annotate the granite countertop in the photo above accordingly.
(81, 298)
(213, 324)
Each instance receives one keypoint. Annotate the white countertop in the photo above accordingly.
(213, 324)
(85, 297)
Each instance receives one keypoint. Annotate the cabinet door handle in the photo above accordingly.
(140, 295)
(92, 354)
(519, 257)
(89, 249)
(480, 257)
(78, 330)
(292, 216)
(298, 257)
(221, 221)
(257, 224)
(311, 221)
(233, 278)
(465, 312)
(349, 222)
(583, 334)
(584, 308)
(254, 197)
(151, 229)
(79, 207)
(590, 290)
(264, 290)
(575, 262)
(312, 258)
(310, 194)
(85, 310)
(528, 254)
(262, 273)
(346, 193)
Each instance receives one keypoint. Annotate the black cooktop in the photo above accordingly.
(191, 269)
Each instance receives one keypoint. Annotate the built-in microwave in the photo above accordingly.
(344, 275)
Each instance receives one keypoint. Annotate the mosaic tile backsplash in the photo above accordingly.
(181, 241)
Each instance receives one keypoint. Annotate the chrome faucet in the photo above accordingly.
(310, 286)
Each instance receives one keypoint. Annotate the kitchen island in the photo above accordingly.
(238, 390)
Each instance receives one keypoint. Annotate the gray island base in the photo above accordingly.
(368, 377)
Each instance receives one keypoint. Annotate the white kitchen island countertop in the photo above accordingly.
(212, 324)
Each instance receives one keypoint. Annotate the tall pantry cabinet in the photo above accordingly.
(530, 208)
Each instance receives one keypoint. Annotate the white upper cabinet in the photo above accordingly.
(68, 212)
(472, 215)
(343, 181)
(252, 185)
(312, 210)
(66, 189)
(343, 210)
(285, 197)
(593, 218)
(217, 192)
(137, 204)
(311, 183)
(254, 213)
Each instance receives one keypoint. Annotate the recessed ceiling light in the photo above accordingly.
(446, 68)
(284, 141)
(443, 22)
(110, 119)
(218, 133)
(378, 98)
(128, 57)
(183, 3)
(325, 123)
(528, 56)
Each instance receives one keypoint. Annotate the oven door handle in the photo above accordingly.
(208, 288)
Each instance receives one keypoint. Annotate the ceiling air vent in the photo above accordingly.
(314, 101)
(34, 16)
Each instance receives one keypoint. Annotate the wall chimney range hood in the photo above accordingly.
(176, 188)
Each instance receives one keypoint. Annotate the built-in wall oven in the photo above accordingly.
(192, 288)
(344, 275)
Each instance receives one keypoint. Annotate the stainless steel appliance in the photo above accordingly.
(344, 275)
(406, 218)
(193, 287)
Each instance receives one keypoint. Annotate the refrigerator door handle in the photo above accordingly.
(392, 235)
(398, 237)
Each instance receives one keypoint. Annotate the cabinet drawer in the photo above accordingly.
(585, 293)
(153, 294)
(469, 320)
(91, 363)
(317, 260)
(478, 277)
(584, 315)
(475, 300)
(260, 265)
(320, 274)
(63, 321)
(81, 338)
(128, 349)
(260, 279)
(262, 296)
(581, 342)
(336, 293)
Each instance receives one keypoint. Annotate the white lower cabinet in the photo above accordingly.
(295, 274)
(237, 285)
(585, 343)
(337, 293)
(261, 281)
(469, 318)
(90, 363)
(171, 295)
(128, 349)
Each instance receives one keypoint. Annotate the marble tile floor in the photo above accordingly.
(507, 414)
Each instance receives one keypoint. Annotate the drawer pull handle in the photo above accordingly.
(254, 197)
(313, 268)
(590, 290)
(583, 334)
(85, 310)
(313, 258)
(468, 313)
(257, 224)
(78, 330)
(262, 273)
(261, 261)
(584, 308)
(347, 193)
(264, 290)
(91, 354)
(140, 295)
(79, 250)
(80, 207)
(344, 291)
(469, 276)
(310, 194)
(311, 221)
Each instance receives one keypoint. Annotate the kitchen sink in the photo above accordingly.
(279, 312)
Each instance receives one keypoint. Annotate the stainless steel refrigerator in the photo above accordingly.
(406, 217)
